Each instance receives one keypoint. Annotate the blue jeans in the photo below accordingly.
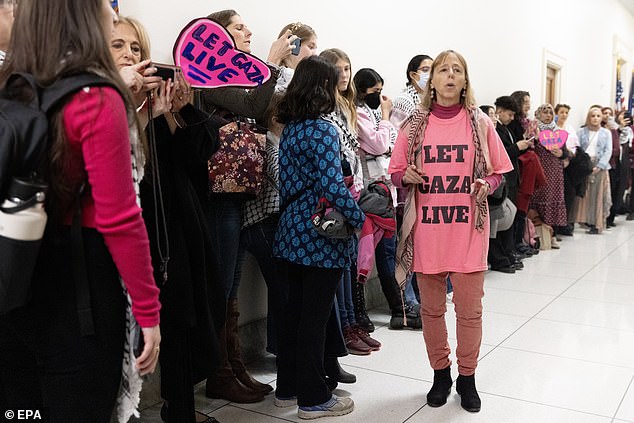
(344, 299)
(225, 220)
(258, 240)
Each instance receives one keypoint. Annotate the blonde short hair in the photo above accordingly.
(467, 99)
(141, 34)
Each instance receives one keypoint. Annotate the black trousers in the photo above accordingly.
(501, 249)
(300, 370)
(44, 361)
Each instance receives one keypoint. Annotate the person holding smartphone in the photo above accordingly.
(532, 176)
(445, 232)
(181, 139)
(304, 41)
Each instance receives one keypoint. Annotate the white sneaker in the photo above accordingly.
(285, 402)
(335, 406)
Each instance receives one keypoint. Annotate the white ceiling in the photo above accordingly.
(629, 5)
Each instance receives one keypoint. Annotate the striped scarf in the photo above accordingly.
(417, 125)
(131, 381)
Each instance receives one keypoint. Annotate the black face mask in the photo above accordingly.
(373, 100)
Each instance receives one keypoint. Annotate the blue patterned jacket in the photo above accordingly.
(310, 167)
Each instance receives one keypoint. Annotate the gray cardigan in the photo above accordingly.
(604, 145)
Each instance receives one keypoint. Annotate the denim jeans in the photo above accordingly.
(225, 220)
(344, 300)
(385, 267)
(258, 240)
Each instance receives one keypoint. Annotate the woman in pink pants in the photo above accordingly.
(450, 156)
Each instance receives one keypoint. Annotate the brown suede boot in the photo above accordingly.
(234, 352)
(223, 382)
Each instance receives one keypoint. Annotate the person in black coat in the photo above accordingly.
(173, 195)
(502, 248)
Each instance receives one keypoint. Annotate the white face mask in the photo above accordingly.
(422, 81)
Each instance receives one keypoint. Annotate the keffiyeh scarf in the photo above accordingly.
(417, 124)
(131, 381)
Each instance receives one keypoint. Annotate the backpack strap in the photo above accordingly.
(59, 90)
(51, 97)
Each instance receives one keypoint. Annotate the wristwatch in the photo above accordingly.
(180, 122)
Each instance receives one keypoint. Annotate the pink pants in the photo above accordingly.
(468, 290)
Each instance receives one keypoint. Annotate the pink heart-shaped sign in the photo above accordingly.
(206, 53)
(553, 139)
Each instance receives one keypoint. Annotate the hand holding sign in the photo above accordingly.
(206, 53)
(553, 139)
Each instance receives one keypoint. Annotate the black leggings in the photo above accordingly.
(44, 361)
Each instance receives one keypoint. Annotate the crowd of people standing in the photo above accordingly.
(431, 188)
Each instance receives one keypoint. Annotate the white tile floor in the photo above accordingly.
(558, 346)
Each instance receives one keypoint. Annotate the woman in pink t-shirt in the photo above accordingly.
(450, 156)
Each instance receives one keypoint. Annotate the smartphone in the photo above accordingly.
(297, 45)
(166, 71)
(138, 342)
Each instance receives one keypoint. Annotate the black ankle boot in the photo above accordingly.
(469, 398)
(441, 388)
(408, 317)
(335, 372)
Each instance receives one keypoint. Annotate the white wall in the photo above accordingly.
(503, 41)
(506, 44)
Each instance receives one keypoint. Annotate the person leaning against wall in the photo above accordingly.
(446, 233)
(232, 381)
(46, 359)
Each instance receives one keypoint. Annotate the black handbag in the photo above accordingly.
(329, 222)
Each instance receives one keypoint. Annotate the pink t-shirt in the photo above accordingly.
(445, 238)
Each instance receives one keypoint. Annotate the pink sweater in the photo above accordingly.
(373, 141)
(97, 130)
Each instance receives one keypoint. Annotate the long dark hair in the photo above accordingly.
(414, 64)
(52, 39)
(365, 78)
(518, 97)
(311, 93)
(223, 17)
